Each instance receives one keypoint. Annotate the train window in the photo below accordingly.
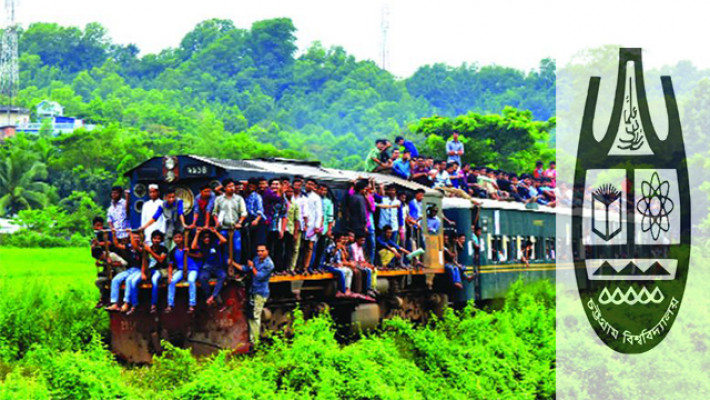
(498, 249)
(550, 253)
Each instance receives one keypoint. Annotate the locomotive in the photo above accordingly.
(414, 294)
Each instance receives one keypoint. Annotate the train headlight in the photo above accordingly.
(170, 169)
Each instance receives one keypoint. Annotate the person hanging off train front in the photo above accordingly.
(260, 269)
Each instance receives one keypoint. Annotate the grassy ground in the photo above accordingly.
(58, 267)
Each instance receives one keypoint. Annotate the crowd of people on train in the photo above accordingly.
(288, 226)
(260, 228)
(404, 161)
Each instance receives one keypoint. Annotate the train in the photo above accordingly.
(414, 294)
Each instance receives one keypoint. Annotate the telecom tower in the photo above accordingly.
(9, 64)
(385, 26)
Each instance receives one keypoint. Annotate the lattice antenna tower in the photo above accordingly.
(385, 26)
(9, 58)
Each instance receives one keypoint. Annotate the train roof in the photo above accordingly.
(304, 168)
(513, 205)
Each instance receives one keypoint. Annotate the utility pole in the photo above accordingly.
(9, 59)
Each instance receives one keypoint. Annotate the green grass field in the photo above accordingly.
(58, 267)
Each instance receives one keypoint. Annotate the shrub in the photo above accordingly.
(75, 375)
(59, 321)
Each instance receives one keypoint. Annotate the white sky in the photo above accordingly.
(511, 33)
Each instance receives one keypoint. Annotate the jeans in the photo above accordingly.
(455, 273)
(206, 273)
(319, 252)
(236, 246)
(370, 244)
(345, 277)
(276, 249)
(120, 278)
(131, 293)
(155, 276)
(177, 277)
(366, 278)
(192, 287)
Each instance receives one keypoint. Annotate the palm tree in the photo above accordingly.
(21, 185)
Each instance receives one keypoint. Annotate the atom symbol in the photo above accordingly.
(655, 205)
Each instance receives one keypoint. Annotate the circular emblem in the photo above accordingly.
(188, 199)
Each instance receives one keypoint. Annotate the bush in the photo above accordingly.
(87, 374)
(59, 321)
(507, 353)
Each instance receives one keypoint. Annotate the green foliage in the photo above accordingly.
(85, 374)
(21, 181)
(66, 225)
(511, 140)
(232, 83)
(50, 347)
(34, 314)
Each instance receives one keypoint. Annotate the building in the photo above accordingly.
(10, 118)
(53, 113)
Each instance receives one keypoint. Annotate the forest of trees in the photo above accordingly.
(238, 93)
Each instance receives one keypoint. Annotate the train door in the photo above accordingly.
(433, 229)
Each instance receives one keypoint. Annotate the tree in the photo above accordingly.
(204, 34)
(21, 185)
(511, 140)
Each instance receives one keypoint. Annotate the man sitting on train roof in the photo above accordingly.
(402, 166)
(260, 269)
(212, 261)
(379, 160)
(408, 146)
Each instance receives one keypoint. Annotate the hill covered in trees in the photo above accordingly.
(232, 92)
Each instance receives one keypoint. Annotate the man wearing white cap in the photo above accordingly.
(149, 209)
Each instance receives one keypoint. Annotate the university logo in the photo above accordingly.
(631, 215)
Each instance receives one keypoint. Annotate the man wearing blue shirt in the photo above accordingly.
(260, 269)
(173, 214)
(409, 146)
(388, 249)
(454, 148)
(402, 166)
